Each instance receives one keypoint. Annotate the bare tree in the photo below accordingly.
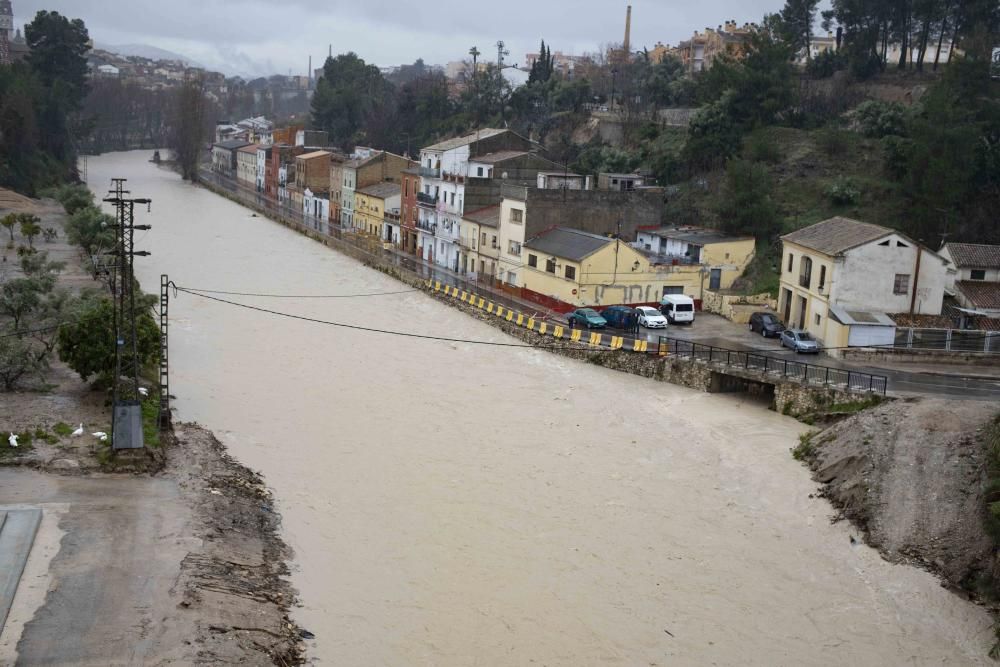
(190, 130)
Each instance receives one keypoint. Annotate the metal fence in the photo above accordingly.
(792, 369)
(947, 340)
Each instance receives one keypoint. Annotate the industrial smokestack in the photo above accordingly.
(310, 70)
(627, 45)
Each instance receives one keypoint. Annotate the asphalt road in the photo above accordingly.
(713, 330)
(124, 539)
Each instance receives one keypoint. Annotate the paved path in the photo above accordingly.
(124, 540)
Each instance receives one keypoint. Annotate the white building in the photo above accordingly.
(864, 270)
(263, 153)
(444, 169)
(316, 206)
(975, 283)
(108, 71)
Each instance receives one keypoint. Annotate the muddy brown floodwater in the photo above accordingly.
(452, 504)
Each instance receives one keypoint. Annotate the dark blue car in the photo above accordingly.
(621, 317)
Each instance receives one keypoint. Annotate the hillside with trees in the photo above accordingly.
(773, 145)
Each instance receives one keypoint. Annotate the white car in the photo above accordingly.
(651, 318)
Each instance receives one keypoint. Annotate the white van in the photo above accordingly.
(677, 308)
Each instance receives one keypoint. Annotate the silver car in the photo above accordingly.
(799, 340)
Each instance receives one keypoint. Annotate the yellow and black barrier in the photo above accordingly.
(557, 331)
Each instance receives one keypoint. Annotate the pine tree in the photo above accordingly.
(797, 19)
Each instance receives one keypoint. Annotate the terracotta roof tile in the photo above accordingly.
(974, 255)
(980, 294)
(837, 235)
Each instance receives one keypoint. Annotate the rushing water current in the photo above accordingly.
(452, 504)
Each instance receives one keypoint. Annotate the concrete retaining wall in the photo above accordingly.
(921, 357)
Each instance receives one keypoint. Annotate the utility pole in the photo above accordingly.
(501, 52)
(126, 421)
(475, 53)
(164, 363)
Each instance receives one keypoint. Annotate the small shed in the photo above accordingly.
(860, 328)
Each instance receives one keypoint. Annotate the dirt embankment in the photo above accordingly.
(911, 474)
(235, 585)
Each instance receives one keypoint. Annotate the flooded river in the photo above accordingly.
(452, 504)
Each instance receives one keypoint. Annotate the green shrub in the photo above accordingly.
(73, 197)
(824, 65)
(806, 449)
(843, 192)
(87, 344)
(897, 152)
(91, 229)
(63, 429)
(832, 141)
(760, 148)
(881, 119)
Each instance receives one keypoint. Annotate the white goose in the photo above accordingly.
(12, 440)
(100, 435)
(78, 432)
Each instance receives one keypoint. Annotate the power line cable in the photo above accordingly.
(295, 296)
(30, 331)
(356, 327)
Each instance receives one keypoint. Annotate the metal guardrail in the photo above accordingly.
(947, 340)
(824, 376)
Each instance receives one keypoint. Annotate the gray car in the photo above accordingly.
(799, 340)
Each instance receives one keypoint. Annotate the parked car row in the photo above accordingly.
(675, 309)
(769, 326)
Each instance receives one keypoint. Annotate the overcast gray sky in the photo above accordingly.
(257, 37)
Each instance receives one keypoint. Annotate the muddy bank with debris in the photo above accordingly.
(235, 585)
(912, 476)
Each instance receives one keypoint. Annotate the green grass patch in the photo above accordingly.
(854, 407)
(62, 429)
(151, 420)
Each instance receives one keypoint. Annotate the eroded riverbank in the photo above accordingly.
(451, 504)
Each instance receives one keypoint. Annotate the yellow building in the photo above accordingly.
(583, 269)
(658, 53)
(480, 242)
(370, 206)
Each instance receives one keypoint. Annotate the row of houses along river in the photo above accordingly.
(452, 504)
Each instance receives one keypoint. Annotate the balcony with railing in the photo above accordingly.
(430, 172)
(425, 199)
(664, 258)
(453, 177)
(449, 230)
(426, 226)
